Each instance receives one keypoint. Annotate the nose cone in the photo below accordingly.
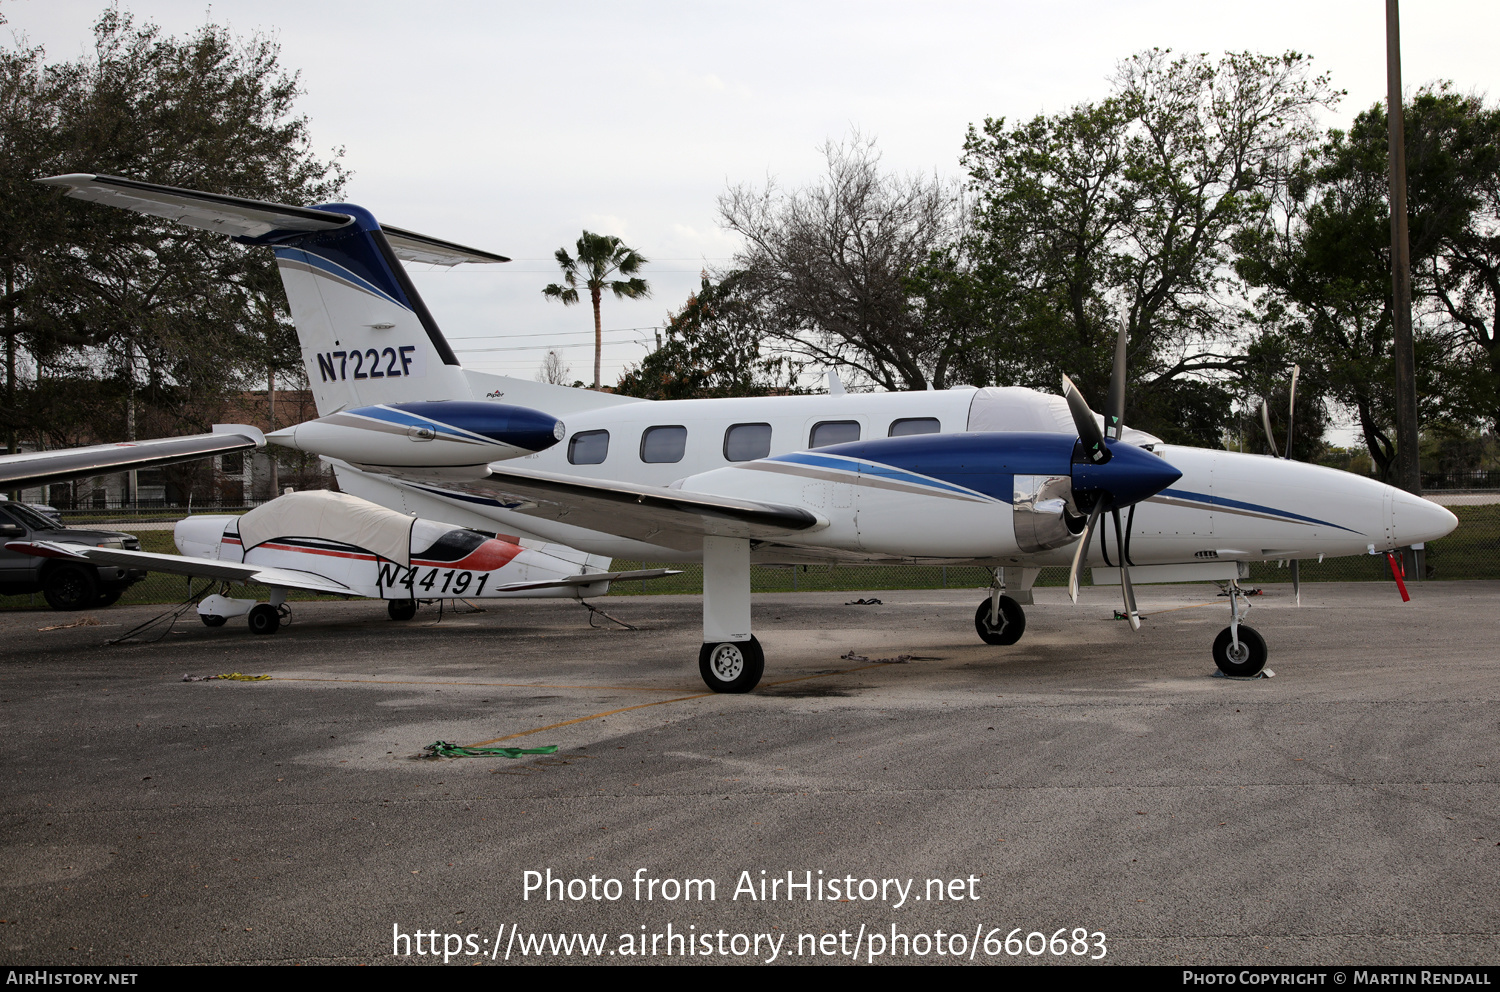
(1417, 520)
(1131, 475)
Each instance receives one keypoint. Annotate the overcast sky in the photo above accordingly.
(511, 127)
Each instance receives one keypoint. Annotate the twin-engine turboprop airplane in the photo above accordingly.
(1008, 478)
(328, 542)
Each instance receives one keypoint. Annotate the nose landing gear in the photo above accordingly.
(1239, 650)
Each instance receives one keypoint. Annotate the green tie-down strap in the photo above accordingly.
(442, 749)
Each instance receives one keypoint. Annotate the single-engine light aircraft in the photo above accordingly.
(1012, 479)
(335, 543)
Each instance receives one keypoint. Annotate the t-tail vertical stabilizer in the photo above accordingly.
(366, 336)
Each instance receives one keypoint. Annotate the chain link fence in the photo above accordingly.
(1470, 552)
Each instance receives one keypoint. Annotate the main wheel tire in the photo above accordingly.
(1242, 663)
(109, 595)
(732, 666)
(71, 587)
(211, 619)
(264, 619)
(1011, 626)
(401, 609)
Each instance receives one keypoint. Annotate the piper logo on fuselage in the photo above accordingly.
(369, 363)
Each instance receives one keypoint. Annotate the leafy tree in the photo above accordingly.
(830, 264)
(169, 319)
(1324, 263)
(1124, 210)
(712, 347)
(599, 257)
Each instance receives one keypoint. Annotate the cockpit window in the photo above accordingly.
(663, 444)
(588, 447)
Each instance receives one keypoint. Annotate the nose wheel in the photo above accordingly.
(1239, 650)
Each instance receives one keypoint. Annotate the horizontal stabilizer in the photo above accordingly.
(238, 217)
(42, 468)
(410, 246)
(230, 215)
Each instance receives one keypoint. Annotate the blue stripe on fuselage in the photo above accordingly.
(1235, 504)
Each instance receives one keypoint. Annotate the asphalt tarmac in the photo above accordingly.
(1088, 780)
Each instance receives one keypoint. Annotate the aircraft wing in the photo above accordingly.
(653, 514)
(202, 568)
(588, 579)
(41, 468)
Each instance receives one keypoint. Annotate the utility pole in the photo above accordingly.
(1408, 445)
(1408, 465)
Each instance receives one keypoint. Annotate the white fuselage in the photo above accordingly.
(1226, 506)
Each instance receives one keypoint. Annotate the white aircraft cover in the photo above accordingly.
(331, 517)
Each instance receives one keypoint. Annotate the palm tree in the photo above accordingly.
(599, 257)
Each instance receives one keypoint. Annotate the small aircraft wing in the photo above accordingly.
(204, 568)
(41, 468)
(653, 514)
(588, 579)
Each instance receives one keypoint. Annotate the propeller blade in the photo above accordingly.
(1083, 419)
(1083, 543)
(1265, 418)
(1129, 592)
(1114, 405)
(1291, 408)
(1297, 581)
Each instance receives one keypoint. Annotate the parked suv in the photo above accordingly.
(67, 585)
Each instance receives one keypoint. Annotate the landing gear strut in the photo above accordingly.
(1239, 650)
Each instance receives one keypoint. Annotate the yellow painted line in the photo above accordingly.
(662, 702)
(503, 685)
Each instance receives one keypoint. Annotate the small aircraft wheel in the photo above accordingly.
(1242, 663)
(401, 609)
(732, 666)
(1011, 626)
(211, 619)
(71, 587)
(264, 619)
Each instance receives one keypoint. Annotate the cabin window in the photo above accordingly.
(663, 444)
(747, 442)
(833, 432)
(588, 447)
(915, 425)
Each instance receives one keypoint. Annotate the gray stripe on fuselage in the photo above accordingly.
(864, 481)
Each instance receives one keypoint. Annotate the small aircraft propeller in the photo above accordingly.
(1126, 484)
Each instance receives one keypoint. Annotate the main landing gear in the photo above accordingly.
(731, 659)
(1239, 650)
(263, 618)
(999, 618)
